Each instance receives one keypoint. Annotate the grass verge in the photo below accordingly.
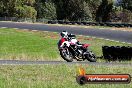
(55, 76)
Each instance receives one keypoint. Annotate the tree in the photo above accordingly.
(7, 7)
(93, 7)
(125, 4)
(45, 9)
(26, 12)
(1, 9)
(103, 12)
(72, 10)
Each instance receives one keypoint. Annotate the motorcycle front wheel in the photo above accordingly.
(66, 55)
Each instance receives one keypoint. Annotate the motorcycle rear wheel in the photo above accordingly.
(91, 56)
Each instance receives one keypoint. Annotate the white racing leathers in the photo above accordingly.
(72, 41)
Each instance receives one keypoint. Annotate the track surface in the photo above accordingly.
(123, 36)
(17, 62)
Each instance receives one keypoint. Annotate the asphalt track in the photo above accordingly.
(18, 62)
(122, 36)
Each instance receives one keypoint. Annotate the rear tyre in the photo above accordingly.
(91, 57)
(66, 55)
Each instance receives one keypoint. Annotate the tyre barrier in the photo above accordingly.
(60, 22)
(111, 53)
(90, 23)
(52, 22)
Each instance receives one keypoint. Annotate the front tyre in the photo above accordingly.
(90, 56)
(66, 55)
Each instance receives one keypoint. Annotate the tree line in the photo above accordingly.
(69, 10)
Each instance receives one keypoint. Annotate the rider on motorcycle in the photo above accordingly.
(70, 48)
(67, 39)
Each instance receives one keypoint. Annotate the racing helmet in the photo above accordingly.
(64, 34)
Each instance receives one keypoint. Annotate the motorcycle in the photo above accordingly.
(80, 52)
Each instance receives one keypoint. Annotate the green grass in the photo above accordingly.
(55, 76)
(39, 45)
(15, 44)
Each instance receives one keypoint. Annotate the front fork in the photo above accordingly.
(86, 52)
